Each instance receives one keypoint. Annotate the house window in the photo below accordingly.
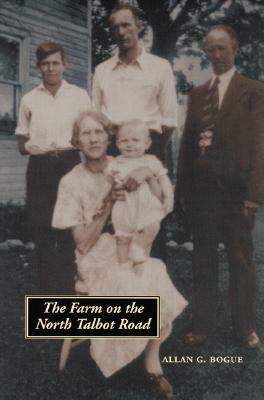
(10, 85)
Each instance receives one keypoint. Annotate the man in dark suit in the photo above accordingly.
(221, 184)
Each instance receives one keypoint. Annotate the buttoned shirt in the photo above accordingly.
(48, 120)
(143, 89)
(224, 83)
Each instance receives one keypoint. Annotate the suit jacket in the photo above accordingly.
(236, 156)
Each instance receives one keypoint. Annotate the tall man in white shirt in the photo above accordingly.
(220, 184)
(134, 84)
(46, 117)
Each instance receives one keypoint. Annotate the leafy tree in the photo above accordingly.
(178, 25)
(101, 37)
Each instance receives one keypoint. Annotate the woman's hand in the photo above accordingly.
(131, 182)
(85, 236)
(118, 192)
(104, 207)
(136, 177)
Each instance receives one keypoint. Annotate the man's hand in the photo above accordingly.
(250, 210)
(21, 143)
(35, 150)
(135, 178)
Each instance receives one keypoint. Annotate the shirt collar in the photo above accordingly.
(140, 60)
(64, 85)
(226, 77)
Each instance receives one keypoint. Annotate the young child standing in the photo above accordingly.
(136, 220)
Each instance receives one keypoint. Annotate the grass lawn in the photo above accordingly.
(29, 367)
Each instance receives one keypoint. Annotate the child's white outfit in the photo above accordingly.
(140, 207)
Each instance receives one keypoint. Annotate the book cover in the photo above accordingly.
(221, 368)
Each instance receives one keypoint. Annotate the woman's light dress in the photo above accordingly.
(100, 274)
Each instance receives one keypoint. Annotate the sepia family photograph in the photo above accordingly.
(132, 164)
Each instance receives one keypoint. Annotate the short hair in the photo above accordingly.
(97, 116)
(125, 6)
(45, 49)
(134, 123)
(227, 29)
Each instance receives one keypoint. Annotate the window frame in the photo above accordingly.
(19, 85)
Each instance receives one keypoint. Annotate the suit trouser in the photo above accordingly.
(158, 249)
(217, 216)
(54, 261)
(54, 249)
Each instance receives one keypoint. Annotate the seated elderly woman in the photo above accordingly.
(98, 270)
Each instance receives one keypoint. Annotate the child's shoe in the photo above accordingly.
(137, 254)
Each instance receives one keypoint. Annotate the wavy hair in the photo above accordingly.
(96, 116)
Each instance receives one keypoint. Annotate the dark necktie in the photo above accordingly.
(209, 114)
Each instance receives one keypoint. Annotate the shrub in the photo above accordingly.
(13, 222)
